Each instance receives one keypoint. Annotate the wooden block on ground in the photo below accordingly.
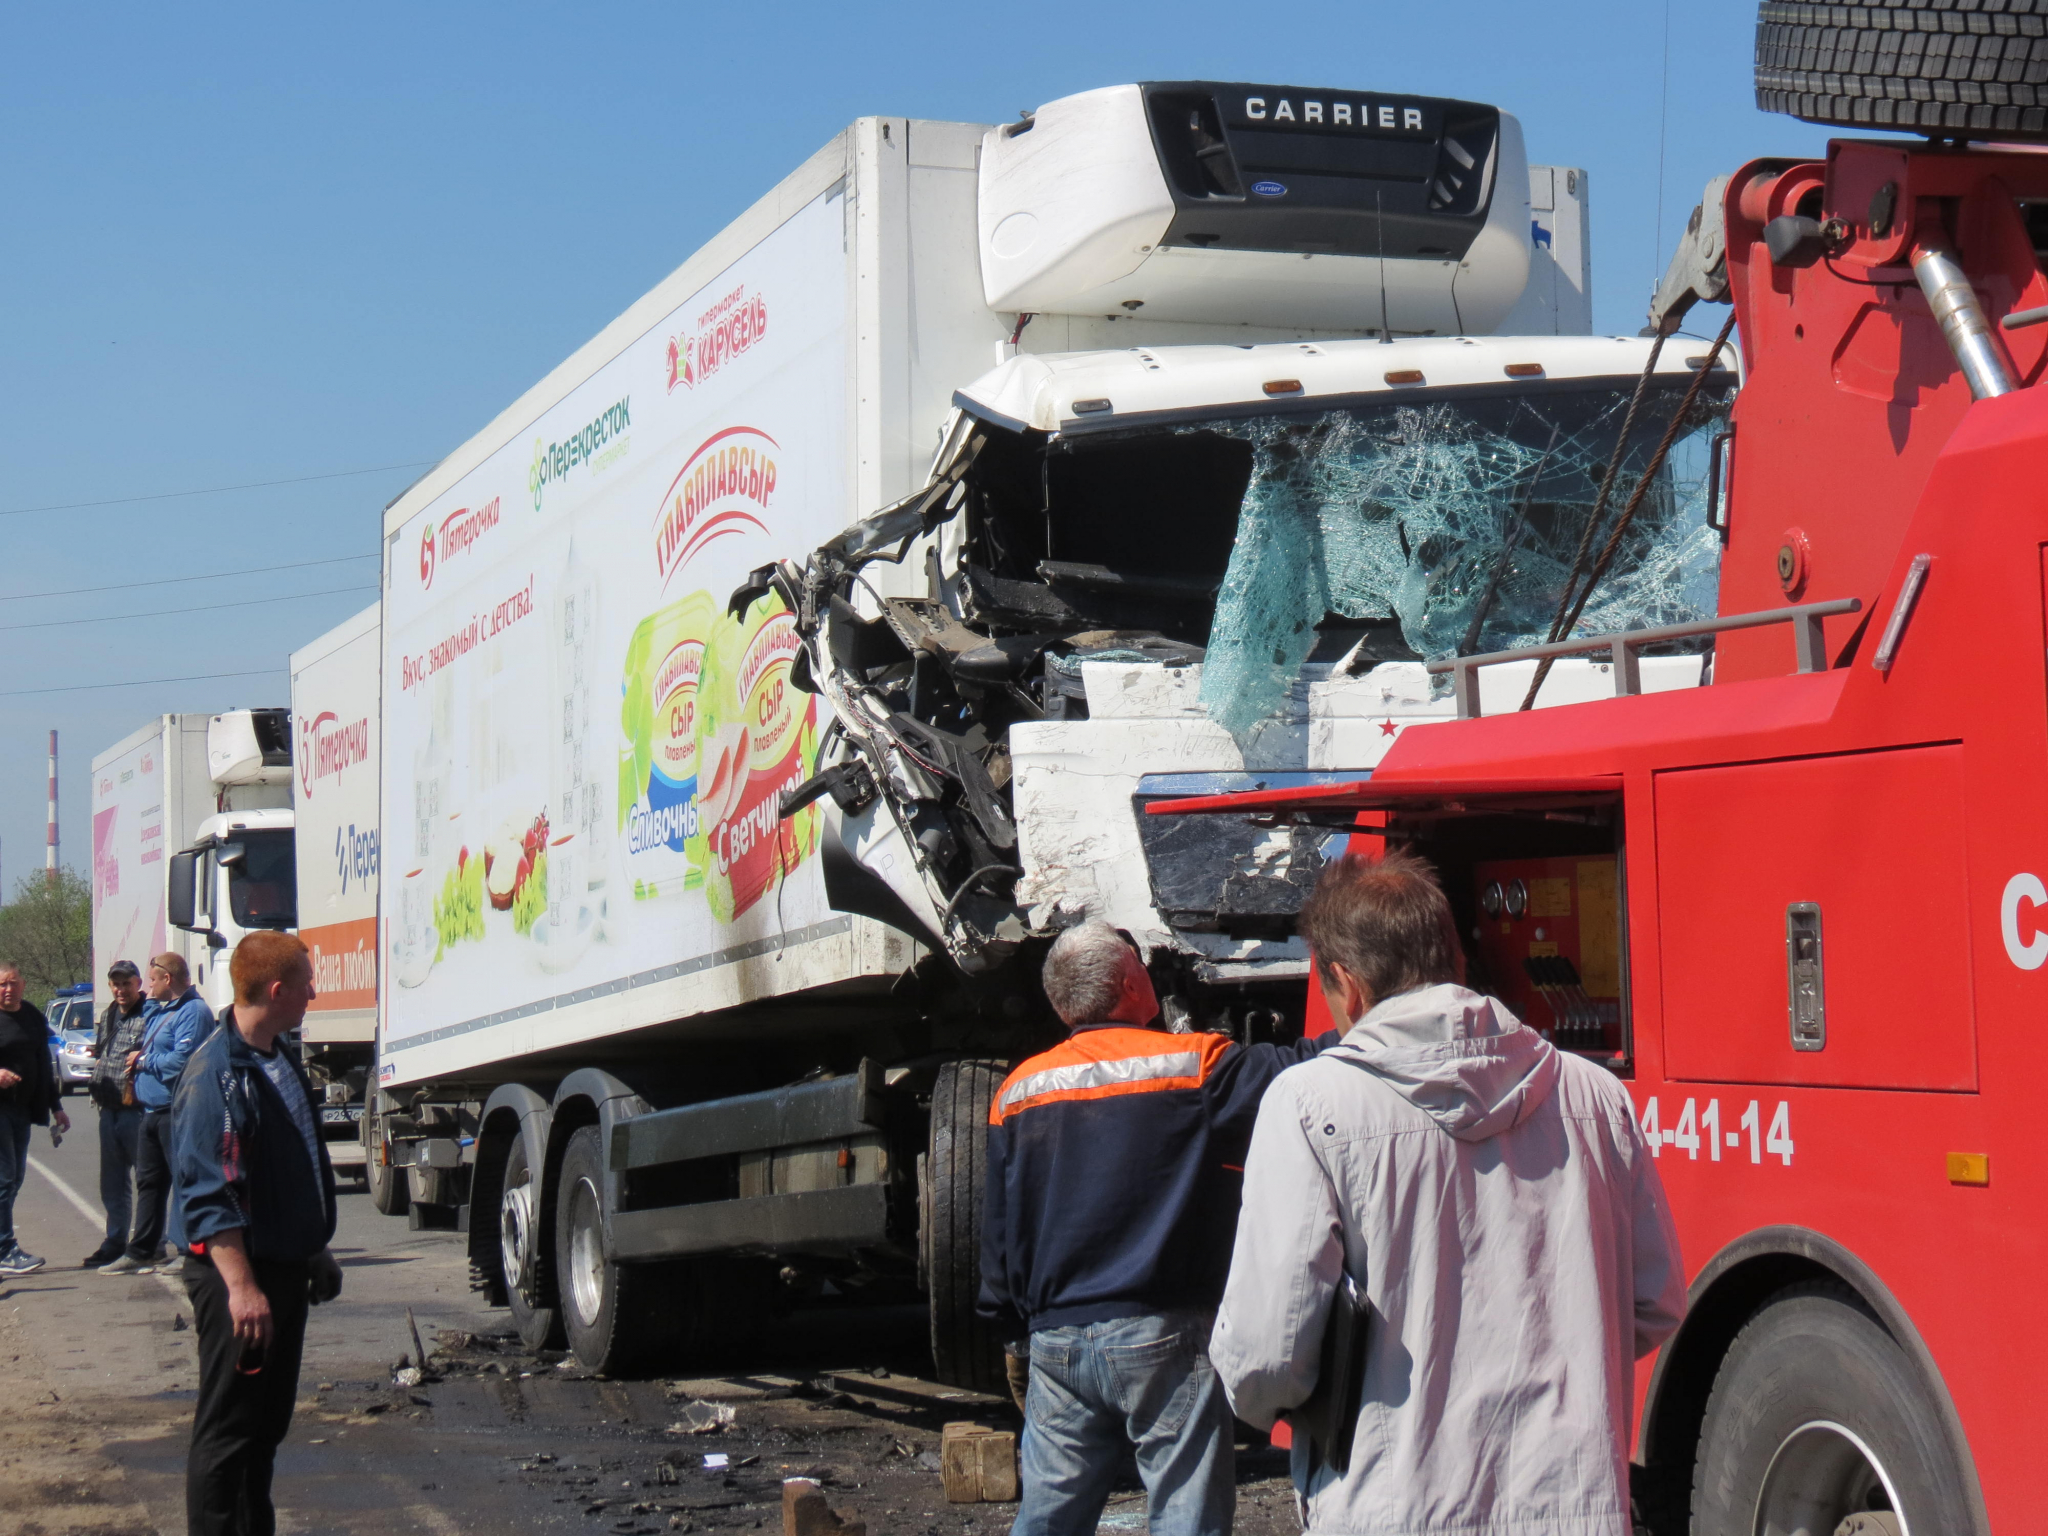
(996, 1457)
(979, 1464)
(805, 1512)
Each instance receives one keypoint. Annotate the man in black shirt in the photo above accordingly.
(113, 1091)
(28, 1097)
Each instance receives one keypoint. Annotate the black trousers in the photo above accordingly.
(152, 1186)
(240, 1419)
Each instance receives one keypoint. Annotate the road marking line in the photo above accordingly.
(98, 1219)
(426, 1515)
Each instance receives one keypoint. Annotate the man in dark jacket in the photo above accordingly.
(112, 1090)
(256, 1194)
(1115, 1162)
(29, 1097)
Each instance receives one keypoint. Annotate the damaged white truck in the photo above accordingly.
(726, 836)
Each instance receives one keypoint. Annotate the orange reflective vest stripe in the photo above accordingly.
(1106, 1063)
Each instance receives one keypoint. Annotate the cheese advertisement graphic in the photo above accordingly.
(584, 753)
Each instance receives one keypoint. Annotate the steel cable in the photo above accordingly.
(1568, 618)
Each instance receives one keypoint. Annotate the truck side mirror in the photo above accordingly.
(179, 905)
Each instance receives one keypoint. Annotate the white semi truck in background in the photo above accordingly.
(1197, 416)
(192, 842)
(207, 827)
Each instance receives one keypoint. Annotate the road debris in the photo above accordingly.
(978, 1464)
(702, 1418)
(805, 1512)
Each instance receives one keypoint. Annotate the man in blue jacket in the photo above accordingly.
(256, 1194)
(1115, 1165)
(175, 1020)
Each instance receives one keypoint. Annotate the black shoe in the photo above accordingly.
(99, 1256)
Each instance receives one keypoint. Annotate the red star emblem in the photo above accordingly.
(1388, 728)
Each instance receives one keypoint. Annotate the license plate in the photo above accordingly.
(341, 1114)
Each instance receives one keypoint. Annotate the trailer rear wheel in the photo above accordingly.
(1952, 72)
(1817, 1415)
(610, 1312)
(389, 1191)
(965, 1350)
(529, 1278)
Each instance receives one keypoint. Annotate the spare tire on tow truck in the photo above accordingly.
(1902, 64)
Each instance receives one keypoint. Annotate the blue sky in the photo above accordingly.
(252, 244)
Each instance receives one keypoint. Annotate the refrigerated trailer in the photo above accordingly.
(334, 789)
(764, 689)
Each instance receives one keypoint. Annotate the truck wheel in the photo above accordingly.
(529, 1279)
(965, 1350)
(608, 1310)
(1817, 1415)
(1928, 70)
(388, 1188)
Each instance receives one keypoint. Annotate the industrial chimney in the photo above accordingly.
(50, 844)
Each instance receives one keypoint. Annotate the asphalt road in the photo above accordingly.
(97, 1375)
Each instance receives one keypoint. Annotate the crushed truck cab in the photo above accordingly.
(1165, 569)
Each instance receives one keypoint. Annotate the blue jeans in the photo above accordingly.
(14, 1133)
(1141, 1381)
(120, 1136)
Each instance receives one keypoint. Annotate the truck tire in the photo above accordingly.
(1905, 64)
(611, 1313)
(965, 1350)
(1817, 1414)
(389, 1191)
(523, 1259)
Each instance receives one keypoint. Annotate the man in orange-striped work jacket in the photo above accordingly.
(1115, 1162)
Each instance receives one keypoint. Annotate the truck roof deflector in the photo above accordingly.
(1412, 795)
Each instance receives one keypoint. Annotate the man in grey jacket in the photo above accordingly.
(1493, 1199)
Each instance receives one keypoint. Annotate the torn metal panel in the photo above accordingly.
(1235, 875)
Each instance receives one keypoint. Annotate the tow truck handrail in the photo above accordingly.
(1807, 640)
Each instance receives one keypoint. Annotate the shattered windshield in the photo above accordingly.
(1453, 521)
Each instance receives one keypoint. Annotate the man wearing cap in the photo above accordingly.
(112, 1091)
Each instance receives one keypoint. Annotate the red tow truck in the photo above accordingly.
(1803, 909)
